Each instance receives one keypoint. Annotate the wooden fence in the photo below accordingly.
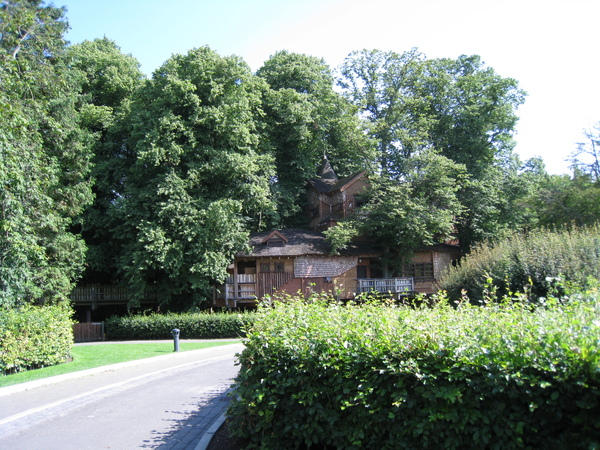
(88, 332)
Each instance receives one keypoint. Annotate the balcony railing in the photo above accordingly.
(386, 285)
(246, 286)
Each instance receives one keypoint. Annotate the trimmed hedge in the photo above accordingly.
(500, 376)
(525, 262)
(34, 336)
(190, 325)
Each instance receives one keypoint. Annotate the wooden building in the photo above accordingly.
(295, 261)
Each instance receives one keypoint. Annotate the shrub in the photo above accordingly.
(34, 336)
(190, 325)
(500, 376)
(525, 263)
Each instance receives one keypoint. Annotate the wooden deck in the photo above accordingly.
(249, 287)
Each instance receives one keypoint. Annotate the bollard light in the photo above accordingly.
(175, 333)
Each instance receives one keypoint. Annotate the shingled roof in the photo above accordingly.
(303, 242)
(328, 181)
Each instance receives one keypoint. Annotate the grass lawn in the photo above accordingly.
(90, 356)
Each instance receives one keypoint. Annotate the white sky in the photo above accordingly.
(550, 46)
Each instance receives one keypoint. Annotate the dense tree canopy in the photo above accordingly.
(44, 156)
(404, 215)
(110, 80)
(563, 201)
(459, 109)
(197, 184)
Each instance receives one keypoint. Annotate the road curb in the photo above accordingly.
(207, 437)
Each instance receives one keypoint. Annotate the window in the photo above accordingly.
(275, 242)
(420, 270)
(314, 212)
(265, 267)
(279, 267)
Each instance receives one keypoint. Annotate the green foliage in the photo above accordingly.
(461, 110)
(473, 110)
(525, 262)
(32, 337)
(306, 118)
(110, 77)
(44, 157)
(109, 81)
(458, 107)
(562, 201)
(350, 377)
(421, 209)
(197, 184)
(497, 203)
(190, 325)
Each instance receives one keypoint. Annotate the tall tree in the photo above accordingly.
(473, 111)
(383, 86)
(44, 156)
(458, 108)
(497, 202)
(198, 185)
(305, 119)
(110, 79)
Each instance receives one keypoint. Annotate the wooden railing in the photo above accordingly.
(246, 286)
(386, 285)
(105, 294)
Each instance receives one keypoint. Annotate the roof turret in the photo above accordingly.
(326, 172)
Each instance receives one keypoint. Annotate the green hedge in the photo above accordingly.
(190, 325)
(524, 262)
(34, 336)
(376, 377)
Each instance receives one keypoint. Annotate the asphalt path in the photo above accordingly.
(166, 402)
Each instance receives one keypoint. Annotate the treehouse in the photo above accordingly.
(292, 261)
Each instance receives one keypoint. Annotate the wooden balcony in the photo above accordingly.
(97, 294)
(244, 289)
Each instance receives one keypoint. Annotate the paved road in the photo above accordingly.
(166, 402)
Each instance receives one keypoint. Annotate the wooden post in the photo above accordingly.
(235, 281)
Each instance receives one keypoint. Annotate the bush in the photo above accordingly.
(351, 377)
(190, 325)
(34, 336)
(525, 263)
